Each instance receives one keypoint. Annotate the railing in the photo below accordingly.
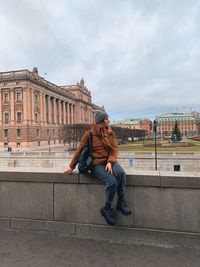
(129, 161)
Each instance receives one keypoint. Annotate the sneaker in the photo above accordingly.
(108, 215)
(123, 207)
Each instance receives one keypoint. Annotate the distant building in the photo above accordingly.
(32, 109)
(141, 124)
(189, 123)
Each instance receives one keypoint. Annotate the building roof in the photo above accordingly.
(132, 121)
(192, 116)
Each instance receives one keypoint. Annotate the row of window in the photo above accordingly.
(178, 119)
(18, 96)
(18, 145)
(183, 133)
(181, 128)
(6, 118)
(18, 133)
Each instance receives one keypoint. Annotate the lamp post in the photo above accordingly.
(49, 141)
(155, 123)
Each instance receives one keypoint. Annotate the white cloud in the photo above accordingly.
(137, 57)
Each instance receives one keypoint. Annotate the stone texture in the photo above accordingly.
(4, 223)
(88, 179)
(26, 200)
(52, 226)
(180, 179)
(81, 203)
(31, 204)
(39, 177)
(144, 179)
(167, 208)
(147, 237)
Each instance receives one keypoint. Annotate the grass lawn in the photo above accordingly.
(139, 147)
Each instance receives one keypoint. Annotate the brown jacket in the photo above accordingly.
(104, 146)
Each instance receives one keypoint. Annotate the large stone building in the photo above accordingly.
(140, 124)
(189, 123)
(33, 109)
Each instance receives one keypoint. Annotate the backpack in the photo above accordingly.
(85, 159)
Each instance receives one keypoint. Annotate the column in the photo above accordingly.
(32, 107)
(60, 117)
(49, 109)
(25, 106)
(12, 107)
(64, 113)
(45, 108)
(54, 110)
(72, 113)
(68, 120)
(41, 108)
(28, 105)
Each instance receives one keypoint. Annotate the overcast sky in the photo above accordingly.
(139, 58)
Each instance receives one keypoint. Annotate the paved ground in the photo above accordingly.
(28, 249)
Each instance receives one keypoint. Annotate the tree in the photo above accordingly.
(176, 133)
(73, 133)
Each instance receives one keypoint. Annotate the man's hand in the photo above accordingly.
(68, 170)
(109, 168)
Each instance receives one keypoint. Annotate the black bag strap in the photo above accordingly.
(90, 143)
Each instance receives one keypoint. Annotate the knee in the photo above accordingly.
(118, 171)
(112, 181)
(121, 174)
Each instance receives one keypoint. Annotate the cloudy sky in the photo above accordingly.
(139, 58)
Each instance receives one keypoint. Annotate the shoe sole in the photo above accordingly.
(126, 214)
(103, 214)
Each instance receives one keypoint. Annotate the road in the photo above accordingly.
(32, 249)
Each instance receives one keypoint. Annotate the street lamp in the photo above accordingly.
(155, 123)
(49, 141)
(161, 130)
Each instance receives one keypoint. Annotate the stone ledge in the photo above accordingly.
(148, 237)
(88, 179)
(40, 177)
(137, 178)
(39, 225)
(4, 223)
(142, 180)
(180, 182)
(180, 179)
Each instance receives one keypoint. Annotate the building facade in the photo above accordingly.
(139, 124)
(189, 123)
(32, 109)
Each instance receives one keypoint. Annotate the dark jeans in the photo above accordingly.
(114, 182)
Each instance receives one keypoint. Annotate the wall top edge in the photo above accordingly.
(151, 179)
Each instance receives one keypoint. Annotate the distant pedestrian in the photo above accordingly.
(105, 166)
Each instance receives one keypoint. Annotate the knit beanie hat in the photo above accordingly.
(100, 116)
